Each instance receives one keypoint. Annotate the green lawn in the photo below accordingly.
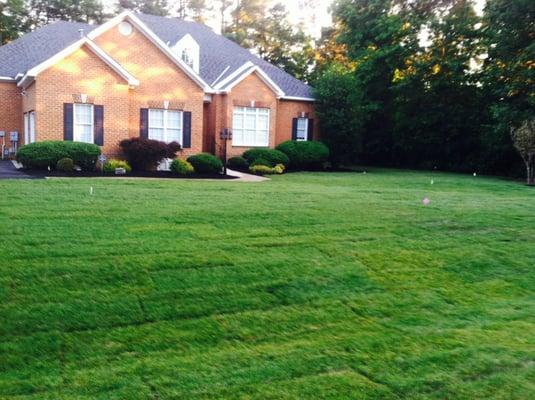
(310, 286)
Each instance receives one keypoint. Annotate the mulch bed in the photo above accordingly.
(133, 174)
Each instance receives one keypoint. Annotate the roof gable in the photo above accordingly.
(32, 73)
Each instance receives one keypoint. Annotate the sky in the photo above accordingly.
(313, 18)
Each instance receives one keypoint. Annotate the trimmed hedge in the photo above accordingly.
(41, 155)
(145, 154)
(265, 170)
(182, 167)
(111, 165)
(205, 163)
(305, 155)
(273, 156)
(238, 163)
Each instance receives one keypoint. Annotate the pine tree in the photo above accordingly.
(153, 7)
(13, 20)
(45, 11)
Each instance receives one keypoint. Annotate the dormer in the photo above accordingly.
(187, 49)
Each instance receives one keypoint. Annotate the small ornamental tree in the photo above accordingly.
(524, 141)
(145, 154)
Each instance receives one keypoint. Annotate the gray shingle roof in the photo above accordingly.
(35, 47)
(217, 53)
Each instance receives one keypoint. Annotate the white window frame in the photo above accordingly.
(32, 126)
(75, 124)
(238, 134)
(305, 136)
(166, 129)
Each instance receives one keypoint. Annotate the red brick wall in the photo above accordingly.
(160, 79)
(11, 110)
(252, 88)
(82, 73)
(287, 111)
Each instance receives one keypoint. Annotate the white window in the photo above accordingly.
(165, 125)
(187, 57)
(302, 129)
(250, 127)
(29, 127)
(83, 123)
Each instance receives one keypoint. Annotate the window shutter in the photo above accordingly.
(144, 123)
(67, 121)
(294, 129)
(310, 134)
(98, 126)
(186, 137)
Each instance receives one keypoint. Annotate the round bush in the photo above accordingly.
(111, 165)
(65, 165)
(182, 167)
(145, 154)
(238, 163)
(41, 155)
(273, 156)
(262, 161)
(205, 163)
(305, 155)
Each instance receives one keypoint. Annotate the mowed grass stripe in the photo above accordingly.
(307, 286)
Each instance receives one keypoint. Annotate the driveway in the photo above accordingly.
(8, 171)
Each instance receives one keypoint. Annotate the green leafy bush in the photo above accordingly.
(238, 163)
(305, 155)
(41, 155)
(65, 165)
(111, 165)
(273, 156)
(145, 154)
(205, 163)
(266, 170)
(261, 161)
(182, 167)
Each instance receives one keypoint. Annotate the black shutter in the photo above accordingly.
(144, 123)
(294, 129)
(67, 121)
(186, 139)
(310, 134)
(98, 127)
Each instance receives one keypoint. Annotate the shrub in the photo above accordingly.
(273, 156)
(65, 165)
(205, 163)
(182, 167)
(266, 170)
(238, 163)
(262, 161)
(41, 155)
(145, 154)
(111, 165)
(305, 155)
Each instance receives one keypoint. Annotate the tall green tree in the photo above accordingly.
(438, 113)
(283, 44)
(46, 11)
(247, 21)
(508, 74)
(338, 110)
(13, 20)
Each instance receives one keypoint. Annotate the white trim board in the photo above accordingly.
(243, 72)
(32, 73)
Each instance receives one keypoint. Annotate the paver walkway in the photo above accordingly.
(245, 177)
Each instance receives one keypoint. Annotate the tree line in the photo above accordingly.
(430, 84)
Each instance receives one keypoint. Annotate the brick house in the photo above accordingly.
(143, 75)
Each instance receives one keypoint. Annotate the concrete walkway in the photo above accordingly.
(8, 171)
(243, 177)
